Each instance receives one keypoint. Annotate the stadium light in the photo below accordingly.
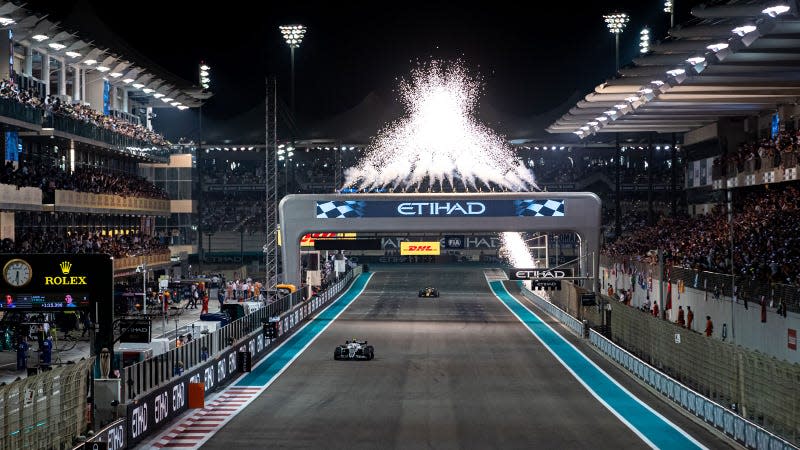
(147, 90)
(166, 99)
(138, 85)
(115, 74)
(717, 47)
(128, 80)
(669, 8)
(616, 23)
(205, 75)
(182, 107)
(632, 99)
(775, 11)
(694, 60)
(56, 46)
(90, 62)
(103, 68)
(657, 82)
(676, 72)
(158, 95)
(40, 37)
(744, 29)
(73, 55)
(293, 35)
(644, 41)
(6, 21)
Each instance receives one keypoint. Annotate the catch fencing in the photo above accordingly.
(45, 411)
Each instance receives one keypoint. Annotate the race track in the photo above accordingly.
(460, 371)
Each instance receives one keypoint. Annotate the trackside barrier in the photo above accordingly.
(562, 316)
(151, 410)
(744, 431)
(725, 420)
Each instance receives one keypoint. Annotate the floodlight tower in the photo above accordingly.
(616, 23)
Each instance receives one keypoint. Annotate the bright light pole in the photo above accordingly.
(669, 8)
(644, 41)
(204, 77)
(293, 34)
(616, 23)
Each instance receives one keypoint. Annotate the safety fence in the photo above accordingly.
(45, 411)
(150, 382)
(744, 431)
(763, 388)
(144, 376)
(712, 282)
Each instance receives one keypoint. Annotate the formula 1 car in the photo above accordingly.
(354, 350)
(428, 292)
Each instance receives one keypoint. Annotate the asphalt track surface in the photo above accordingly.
(460, 371)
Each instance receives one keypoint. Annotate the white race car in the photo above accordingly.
(354, 350)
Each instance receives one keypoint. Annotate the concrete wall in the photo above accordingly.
(744, 326)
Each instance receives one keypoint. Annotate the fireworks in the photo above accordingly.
(517, 252)
(439, 145)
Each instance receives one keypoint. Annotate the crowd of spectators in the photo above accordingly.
(572, 170)
(766, 238)
(234, 173)
(84, 179)
(59, 241)
(234, 214)
(52, 104)
(765, 154)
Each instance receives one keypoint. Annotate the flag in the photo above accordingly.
(669, 296)
(763, 309)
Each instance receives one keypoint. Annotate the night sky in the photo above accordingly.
(532, 55)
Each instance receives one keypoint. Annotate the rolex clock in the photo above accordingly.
(17, 272)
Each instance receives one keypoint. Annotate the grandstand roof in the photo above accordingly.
(121, 62)
(744, 61)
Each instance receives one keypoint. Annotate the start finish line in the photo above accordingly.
(577, 212)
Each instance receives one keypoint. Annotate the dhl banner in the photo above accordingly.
(419, 248)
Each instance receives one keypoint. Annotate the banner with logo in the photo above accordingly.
(539, 274)
(419, 248)
(353, 209)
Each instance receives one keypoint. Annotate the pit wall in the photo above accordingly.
(762, 389)
(737, 323)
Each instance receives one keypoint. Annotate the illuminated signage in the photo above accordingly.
(441, 209)
(539, 274)
(65, 280)
(308, 239)
(354, 209)
(419, 248)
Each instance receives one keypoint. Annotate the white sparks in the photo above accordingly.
(516, 251)
(440, 145)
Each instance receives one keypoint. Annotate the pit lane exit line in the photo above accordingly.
(653, 428)
(252, 385)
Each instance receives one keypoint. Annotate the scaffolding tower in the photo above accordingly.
(271, 184)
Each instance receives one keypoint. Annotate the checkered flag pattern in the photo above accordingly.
(340, 209)
(540, 208)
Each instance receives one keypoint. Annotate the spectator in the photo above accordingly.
(709, 326)
(689, 317)
(681, 318)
